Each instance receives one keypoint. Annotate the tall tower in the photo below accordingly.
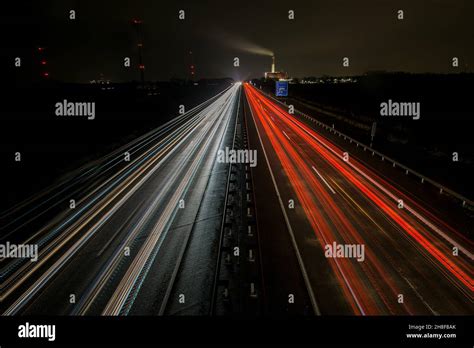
(192, 66)
(273, 64)
(42, 63)
(137, 23)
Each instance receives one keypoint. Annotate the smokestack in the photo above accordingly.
(273, 64)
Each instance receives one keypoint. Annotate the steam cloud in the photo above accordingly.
(242, 44)
(250, 47)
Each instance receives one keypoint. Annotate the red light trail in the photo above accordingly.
(348, 203)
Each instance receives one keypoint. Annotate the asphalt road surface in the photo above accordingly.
(137, 231)
(391, 255)
(133, 209)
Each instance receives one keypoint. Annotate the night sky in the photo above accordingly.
(313, 44)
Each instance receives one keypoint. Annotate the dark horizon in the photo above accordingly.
(312, 44)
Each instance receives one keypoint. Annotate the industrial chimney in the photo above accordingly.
(273, 64)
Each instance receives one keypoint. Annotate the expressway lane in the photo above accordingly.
(21, 217)
(101, 253)
(407, 251)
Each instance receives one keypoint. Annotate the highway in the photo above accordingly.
(145, 233)
(408, 266)
(130, 216)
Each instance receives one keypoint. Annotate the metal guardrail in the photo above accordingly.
(442, 189)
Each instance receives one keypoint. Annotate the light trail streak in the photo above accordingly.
(103, 166)
(144, 257)
(110, 196)
(331, 223)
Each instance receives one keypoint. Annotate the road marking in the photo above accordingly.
(286, 135)
(324, 180)
(290, 229)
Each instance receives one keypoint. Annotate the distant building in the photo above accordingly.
(275, 75)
